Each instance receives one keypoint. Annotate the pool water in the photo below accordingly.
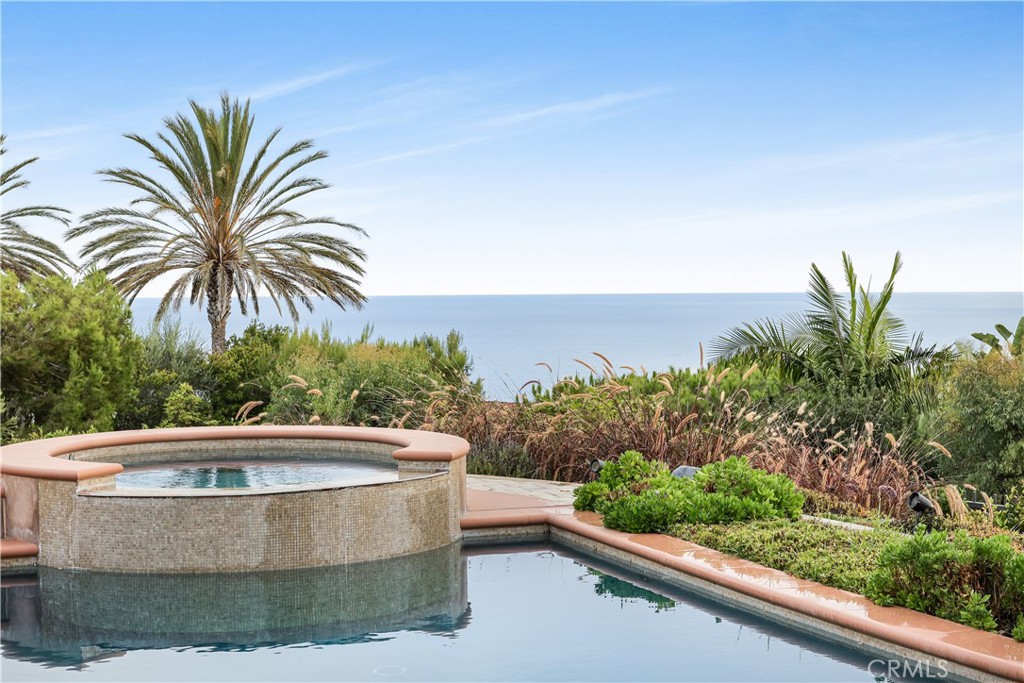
(235, 473)
(527, 613)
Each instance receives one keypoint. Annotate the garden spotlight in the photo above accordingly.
(918, 502)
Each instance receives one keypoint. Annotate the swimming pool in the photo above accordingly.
(502, 613)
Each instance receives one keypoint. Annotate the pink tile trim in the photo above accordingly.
(12, 547)
(38, 458)
(979, 650)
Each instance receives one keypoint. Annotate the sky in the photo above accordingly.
(541, 148)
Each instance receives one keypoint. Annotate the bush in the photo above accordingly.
(171, 355)
(246, 371)
(984, 402)
(978, 582)
(70, 354)
(835, 556)
(640, 496)
(185, 408)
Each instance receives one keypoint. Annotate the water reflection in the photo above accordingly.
(71, 617)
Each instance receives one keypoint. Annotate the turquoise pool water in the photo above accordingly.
(528, 613)
(266, 472)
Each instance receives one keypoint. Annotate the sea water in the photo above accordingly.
(508, 336)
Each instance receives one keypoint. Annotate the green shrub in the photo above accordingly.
(984, 404)
(974, 581)
(185, 408)
(835, 556)
(246, 371)
(640, 496)
(171, 355)
(70, 354)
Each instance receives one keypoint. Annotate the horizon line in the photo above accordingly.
(395, 296)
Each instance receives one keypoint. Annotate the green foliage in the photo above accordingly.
(185, 408)
(706, 390)
(974, 581)
(850, 352)
(835, 556)
(1013, 513)
(247, 370)
(171, 355)
(984, 409)
(1014, 340)
(976, 613)
(376, 383)
(22, 253)
(1017, 633)
(69, 352)
(224, 222)
(640, 496)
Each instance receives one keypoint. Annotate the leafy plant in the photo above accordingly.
(70, 354)
(974, 581)
(851, 351)
(223, 220)
(1014, 340)
(21, 253)
(835, 556)
(983, 406)
(640, 496)
(185, 408)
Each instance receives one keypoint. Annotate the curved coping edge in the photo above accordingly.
(1003, 668)
(40, 459)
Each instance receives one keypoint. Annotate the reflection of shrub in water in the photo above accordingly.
(626, 591)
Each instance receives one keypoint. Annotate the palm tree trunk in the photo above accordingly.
(218, 308)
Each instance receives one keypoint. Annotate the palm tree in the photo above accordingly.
(849, 343)
(223, 222)
(21, 252)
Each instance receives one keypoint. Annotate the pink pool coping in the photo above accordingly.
(979, 650)
(40, 459)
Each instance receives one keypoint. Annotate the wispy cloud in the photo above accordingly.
(423, 151)
(953, 149)
(293, 85)
(831, 218)
(575, 108)
(51, 133)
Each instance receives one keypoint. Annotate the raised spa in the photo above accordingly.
(234, 498)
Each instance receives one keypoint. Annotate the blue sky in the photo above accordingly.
(573, 148)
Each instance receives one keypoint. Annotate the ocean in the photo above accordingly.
(508, 335)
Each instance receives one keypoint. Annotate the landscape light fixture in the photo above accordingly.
(918, 502)
(596, 464)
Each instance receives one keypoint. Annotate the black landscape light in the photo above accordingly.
(918, 502)
(685, 472)
(596, 465)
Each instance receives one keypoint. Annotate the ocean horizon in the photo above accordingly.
(508, 335)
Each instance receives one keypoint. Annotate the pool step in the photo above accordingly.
(16, 556)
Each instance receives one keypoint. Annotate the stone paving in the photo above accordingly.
(551, 492)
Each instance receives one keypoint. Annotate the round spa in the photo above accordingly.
(226, 499)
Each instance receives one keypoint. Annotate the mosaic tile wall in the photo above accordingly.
(252, 532)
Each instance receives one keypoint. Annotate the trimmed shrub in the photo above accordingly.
(641, 496)
(978, 582)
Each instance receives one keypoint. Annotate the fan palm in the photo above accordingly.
(223, 223)
(21, 252)
(851, 341)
